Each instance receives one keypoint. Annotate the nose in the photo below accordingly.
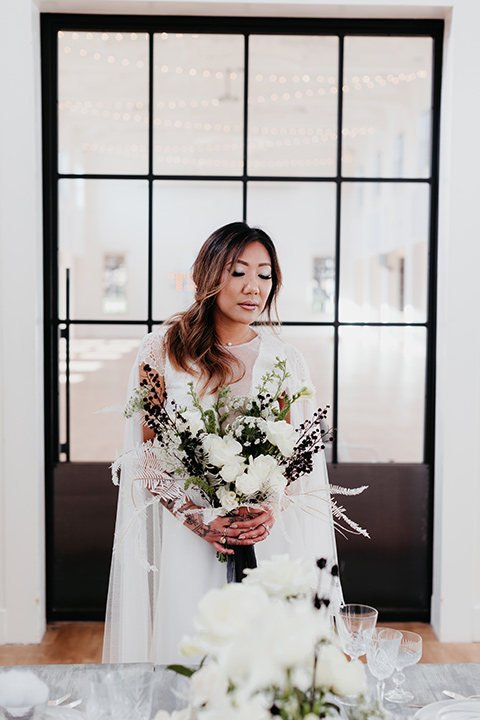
(252, 286)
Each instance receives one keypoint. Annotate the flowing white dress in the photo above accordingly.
(161, 569)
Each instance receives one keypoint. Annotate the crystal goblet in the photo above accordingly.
(382, 654)
(409, 653)
(355, 625)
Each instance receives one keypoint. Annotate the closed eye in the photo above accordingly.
(237, 273)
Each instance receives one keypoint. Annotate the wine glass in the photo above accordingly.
(382, 654)
(355, 625)
(409, 653)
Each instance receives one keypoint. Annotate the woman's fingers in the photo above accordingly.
(222, 549)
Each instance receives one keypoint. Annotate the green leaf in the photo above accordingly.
(181, 670)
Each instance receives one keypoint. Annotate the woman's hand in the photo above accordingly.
(245, 527)
(256, 527)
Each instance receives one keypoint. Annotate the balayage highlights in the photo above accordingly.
(192, 343)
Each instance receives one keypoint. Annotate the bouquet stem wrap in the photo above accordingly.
(244, 557)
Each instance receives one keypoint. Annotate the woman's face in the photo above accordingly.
(247, 286)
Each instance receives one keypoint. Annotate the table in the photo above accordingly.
(425, 681)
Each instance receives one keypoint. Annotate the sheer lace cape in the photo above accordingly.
(131, 617)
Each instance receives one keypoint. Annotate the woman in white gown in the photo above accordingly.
(164, 558)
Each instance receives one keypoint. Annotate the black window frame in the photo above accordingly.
(56, 327)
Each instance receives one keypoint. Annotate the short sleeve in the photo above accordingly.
(152, 351)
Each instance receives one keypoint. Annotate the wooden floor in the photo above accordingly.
(81, 642)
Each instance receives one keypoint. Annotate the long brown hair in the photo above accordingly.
(192, 342)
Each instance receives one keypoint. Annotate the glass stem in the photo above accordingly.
(380, 690)
(399, 678)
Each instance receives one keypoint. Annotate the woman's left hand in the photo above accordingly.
(254, 530)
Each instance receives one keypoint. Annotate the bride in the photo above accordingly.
(164, 558)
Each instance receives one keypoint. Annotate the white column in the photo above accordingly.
(22, 566)
(456, 578)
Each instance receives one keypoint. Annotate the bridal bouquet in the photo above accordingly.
(270, 649)
(240, 452)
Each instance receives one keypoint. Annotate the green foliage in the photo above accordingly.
(181, 670)
(201, 483)
(136, 402)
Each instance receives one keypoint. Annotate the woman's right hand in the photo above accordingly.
(227, 529)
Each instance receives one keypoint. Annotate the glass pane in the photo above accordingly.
(300, 217)
(387, 95)
(316, 346)
(103, 102)
(381, 379)
(384, 252)
(185, 214)
(292, 111)
(198, 125)
(103, 239)
(101, 358)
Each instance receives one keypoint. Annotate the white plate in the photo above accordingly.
(430, 712)
(450, 710)
(62, 713)
(461, 710)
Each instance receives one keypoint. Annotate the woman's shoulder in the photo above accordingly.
(152, 349)
(275, 345)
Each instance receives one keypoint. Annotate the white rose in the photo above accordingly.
(175, 715)
(282, 577)
(232, 469)
(335, 673)
(208, 685)
(221, 450)
(283, 435)
(263, 473)
(233, 709)
(223, 613)
(228, 499)
(279, 638)
(193, 418)
(249, 483)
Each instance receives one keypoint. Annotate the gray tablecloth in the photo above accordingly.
(425, 681)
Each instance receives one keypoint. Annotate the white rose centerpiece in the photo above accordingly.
(271, 649)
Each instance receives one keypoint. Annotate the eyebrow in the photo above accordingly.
(242, 262)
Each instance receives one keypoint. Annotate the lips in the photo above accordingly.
(248, 305)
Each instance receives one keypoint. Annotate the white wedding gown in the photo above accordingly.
(160, 568)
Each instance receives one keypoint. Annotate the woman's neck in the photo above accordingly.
(235, 334)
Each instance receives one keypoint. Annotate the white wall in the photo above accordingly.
(456, 596)
(22, 572)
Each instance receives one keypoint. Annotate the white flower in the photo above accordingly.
(249, 483)
(232, 708)
(282, 577)
(175, 715)
(224, 613)
(307, 392)
(277, 639)
(283, 435)
(232, 469)
(189, 646)
(334, 672)
(263, 473)
(228, 499)
(208, 685)
(221, 450)
(193, 418)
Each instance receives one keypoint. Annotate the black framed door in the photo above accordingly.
(326, 132)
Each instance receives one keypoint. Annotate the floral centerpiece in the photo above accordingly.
(270, 649)
(240, 452)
